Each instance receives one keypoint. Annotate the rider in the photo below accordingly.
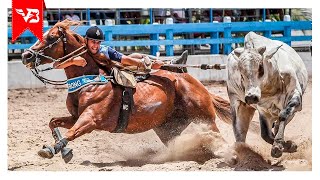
(94, 37)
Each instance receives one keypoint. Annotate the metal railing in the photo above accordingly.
(220, 34)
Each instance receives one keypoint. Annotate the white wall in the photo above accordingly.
(21, 77)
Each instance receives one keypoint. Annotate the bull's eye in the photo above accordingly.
(260, 71)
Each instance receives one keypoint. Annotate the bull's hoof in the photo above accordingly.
(290, 147)
(46, 152)
(276, 150)
(67, 154)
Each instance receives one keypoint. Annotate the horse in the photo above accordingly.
(166, 102)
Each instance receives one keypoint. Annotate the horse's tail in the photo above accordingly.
(222, 107)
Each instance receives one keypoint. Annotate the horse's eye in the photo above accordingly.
(51, 37)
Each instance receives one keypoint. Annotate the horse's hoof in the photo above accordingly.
(67, 154)
(276, 151)
(290, 147)
(46, 152)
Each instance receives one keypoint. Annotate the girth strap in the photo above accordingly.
(125, 110)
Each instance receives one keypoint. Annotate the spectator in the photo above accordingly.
(125, 18)
(217, 16)
(178, 16)
(161, 14)
(71, 16)
(275, 14)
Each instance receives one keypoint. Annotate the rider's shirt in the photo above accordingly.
(111, 53)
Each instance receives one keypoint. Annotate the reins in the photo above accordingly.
(66, 58)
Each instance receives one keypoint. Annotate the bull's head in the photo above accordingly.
(253, 70)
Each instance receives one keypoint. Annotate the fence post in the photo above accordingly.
(227, 34)
(151, 15)
(214, 48)
(88, 16)
(267, 33)
(169, 36)
(108, 37)
(154, 49)
(287, 29)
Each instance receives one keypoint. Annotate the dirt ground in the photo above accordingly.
(197, 149)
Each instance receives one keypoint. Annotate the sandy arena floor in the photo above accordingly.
(29, 112)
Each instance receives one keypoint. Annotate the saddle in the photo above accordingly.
(128, 77)
(127, 80)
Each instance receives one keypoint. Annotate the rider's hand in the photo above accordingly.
(157, 64)
(79, 61)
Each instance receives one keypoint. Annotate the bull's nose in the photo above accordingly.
(251, 99)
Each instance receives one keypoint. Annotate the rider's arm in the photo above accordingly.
(77, 61)
(112, 54)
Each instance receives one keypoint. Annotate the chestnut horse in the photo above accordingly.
(166, 102)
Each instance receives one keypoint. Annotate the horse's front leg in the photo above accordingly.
(86, 123)
(48, 151)
(64, 122)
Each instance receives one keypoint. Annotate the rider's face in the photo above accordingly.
(93, 45)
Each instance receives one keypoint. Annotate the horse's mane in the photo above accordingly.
(65, 24)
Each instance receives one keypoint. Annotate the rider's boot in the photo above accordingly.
(179, 60)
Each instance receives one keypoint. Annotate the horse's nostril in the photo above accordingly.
(26, 57)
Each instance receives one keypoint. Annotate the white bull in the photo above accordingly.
(268, 76)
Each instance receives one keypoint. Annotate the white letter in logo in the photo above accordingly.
(32, 15)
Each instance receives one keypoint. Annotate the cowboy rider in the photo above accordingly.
(93, 38)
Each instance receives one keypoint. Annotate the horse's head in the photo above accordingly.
(53, 46)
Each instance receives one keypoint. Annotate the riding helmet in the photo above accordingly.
(95, 33)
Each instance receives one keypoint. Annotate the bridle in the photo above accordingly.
(38, 54)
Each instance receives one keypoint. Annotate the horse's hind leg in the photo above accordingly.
(170, 129)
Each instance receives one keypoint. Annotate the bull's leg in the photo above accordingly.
(285, 117)
(241, 117)
(266, 132)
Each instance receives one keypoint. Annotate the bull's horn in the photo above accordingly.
(272, 52)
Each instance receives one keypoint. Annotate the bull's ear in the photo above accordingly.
(272, 52)
(248, 45)
(261, 50)
(238, 51)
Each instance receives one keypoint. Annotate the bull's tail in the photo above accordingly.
(222, 107)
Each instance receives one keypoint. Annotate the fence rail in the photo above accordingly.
(220, 33)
